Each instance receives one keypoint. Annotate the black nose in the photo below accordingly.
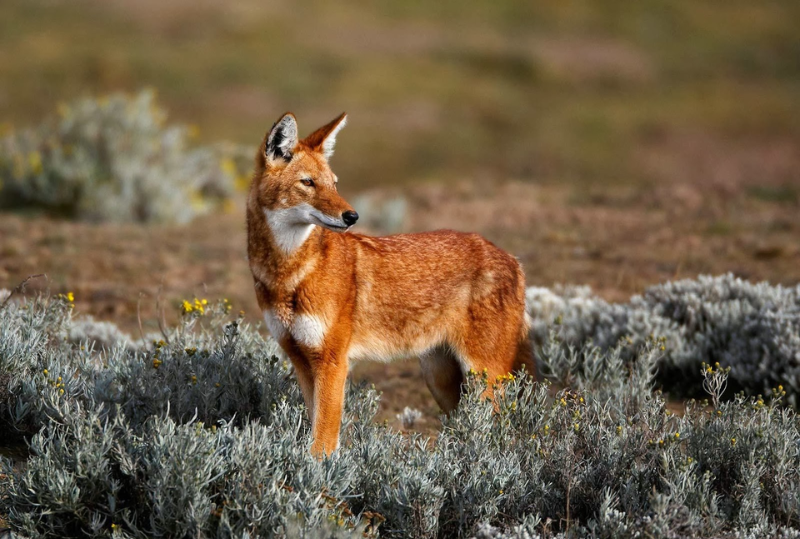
(349, 218)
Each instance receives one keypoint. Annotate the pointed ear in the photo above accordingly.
(324, 139)
(281, 140)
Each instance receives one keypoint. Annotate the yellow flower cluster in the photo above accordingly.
(667, 440)
(57, 383)
(199, 306)
(69, 297)
(716, 369)
(158, 346)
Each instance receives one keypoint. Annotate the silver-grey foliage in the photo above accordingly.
(752, 328)
(113, 159)
(206, 436)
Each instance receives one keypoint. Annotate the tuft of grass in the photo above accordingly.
(782, 194)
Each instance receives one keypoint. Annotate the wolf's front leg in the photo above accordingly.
(330, 375)
(305, 377)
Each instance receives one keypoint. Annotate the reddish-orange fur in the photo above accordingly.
(453, 299)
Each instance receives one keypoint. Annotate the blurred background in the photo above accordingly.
(609, 143)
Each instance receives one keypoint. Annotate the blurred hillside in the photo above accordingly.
(587, 93)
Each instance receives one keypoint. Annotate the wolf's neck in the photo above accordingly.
(277, 249)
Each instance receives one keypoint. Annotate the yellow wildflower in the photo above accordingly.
(197, 201)
(35, 161)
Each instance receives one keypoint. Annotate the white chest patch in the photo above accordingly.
(309, 330)
(274, 325)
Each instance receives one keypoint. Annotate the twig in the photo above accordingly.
(20, 288)
(139, 317)
(162, 324)
(569, 488)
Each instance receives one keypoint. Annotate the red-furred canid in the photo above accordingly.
(331, 298)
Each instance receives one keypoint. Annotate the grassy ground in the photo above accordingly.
(608, 143)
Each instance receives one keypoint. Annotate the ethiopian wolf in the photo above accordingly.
(331, 297)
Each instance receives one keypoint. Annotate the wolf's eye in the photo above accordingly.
(308, 182)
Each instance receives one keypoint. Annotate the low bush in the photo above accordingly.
(204, 434)
(752, 328)
(114, 159)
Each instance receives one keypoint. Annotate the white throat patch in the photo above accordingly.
(290, 226)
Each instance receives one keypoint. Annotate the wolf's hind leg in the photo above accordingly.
(444, 377)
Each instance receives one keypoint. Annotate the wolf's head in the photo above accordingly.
(294, 185)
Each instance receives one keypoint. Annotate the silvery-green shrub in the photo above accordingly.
(113, 159)
(752, 328)
(203, 433)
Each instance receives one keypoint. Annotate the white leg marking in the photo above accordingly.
(275, 326)
(309, 330)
